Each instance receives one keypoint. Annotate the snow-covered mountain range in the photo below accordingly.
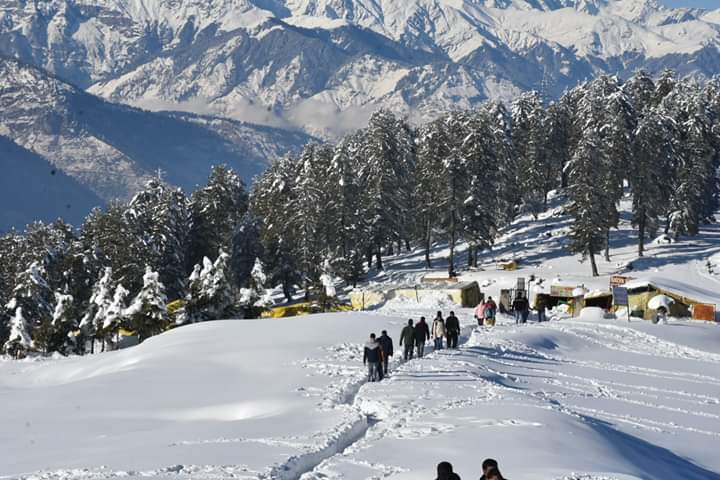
(110, 150)
(326, 65)
(79, 79)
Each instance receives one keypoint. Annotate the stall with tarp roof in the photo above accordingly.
(687, 298)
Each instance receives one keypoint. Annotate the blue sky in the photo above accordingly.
(692, 3)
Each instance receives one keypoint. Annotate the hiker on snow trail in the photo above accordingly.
(372, 358)
(438, 332)
(489, 312)
(422, 334)
(407, 337)
(480, 313)
(452, 330)
(491, 470)
(445, 472)
(386, 344)
(521, 307)
(540, 307)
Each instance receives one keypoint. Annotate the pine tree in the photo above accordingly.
(91, 325)
(388, 150)
(147, 314)
(19, 341)
(64, 323)
(109, 241)
(34, 296)
(529, 122)
(216, 210)
(159, 218)
(210, 294)
(587, 232)
(115, 316)
(255, 297)
(274, 200)
(345, 221)
(649, 173)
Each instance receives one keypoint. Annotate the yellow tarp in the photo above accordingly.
(304, 308)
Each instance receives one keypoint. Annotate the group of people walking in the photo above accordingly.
(490, 469)
(486, 311)
(413, 337)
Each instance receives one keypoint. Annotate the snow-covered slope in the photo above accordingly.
(325, 64)
(113, 149)
(587, 399)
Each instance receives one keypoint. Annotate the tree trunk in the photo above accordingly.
(428, 239)
(390, 251)
(470, 255)
(641, 235)
(378, 258)
(407, 245)
(369, 256)
(593, 264)
(451, 261)
(607, 245)
(399, 246)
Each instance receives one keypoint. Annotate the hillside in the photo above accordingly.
(33, 189)
(284, 399)
(112, 149)
(287, 398)
(325, 65)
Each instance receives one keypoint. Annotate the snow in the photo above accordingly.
(281, 398)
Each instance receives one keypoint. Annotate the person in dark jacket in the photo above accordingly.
(422, 335)
(386, 344)
(541, 306)
(488, 465)
(494, 474)
(372, 358)
(452, 330)
(521, 307)
(407, 338)
(445, 472)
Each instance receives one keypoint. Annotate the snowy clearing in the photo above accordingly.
(570, 399)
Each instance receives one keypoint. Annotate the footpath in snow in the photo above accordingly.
(286, 399)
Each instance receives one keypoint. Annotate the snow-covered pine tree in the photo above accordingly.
(387, 147)
(246, 248)
(108, 241)
(350, 222)
(159, 217)
(210, 293)
(312, 222)
(478, 217)
(649, 173)
(587, 232)
(216, 210)
(19, 341)
(96, 312)
(693, 194)
(64, 323)
(605, 112)
(115, 317)
(255, 297)
(529, 123)
(507, 190)
(432, 147)
(33, 294)
(274, 200)
(147, 313)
